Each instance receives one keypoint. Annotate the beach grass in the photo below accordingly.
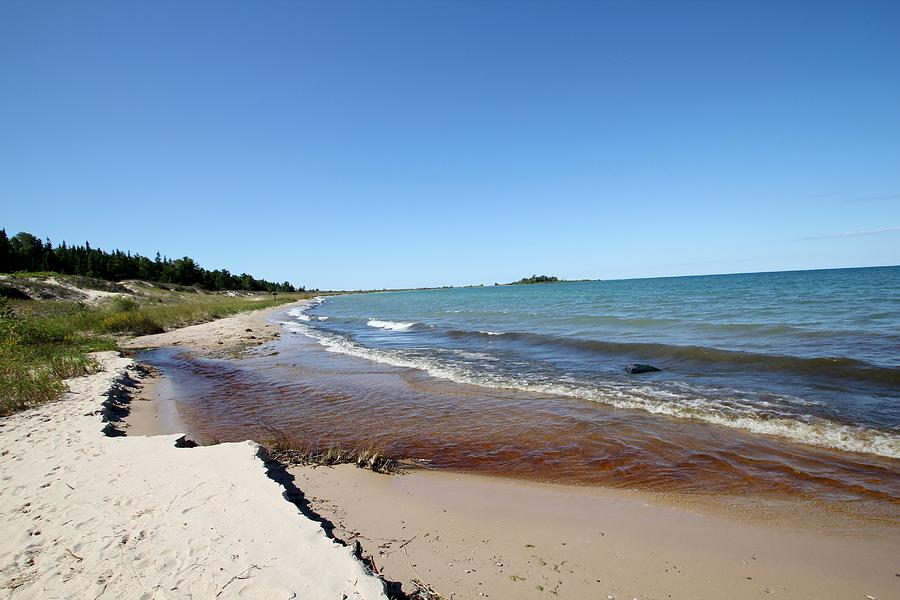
(43, 342)
(372, 456)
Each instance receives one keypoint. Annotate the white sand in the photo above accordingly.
(90, 296)
(90, 516)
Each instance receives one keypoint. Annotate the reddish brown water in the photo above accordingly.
(324, 398)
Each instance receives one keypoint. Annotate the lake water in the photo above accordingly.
(768, 383)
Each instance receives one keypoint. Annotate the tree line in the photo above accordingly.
(536, 279)
(26, 252)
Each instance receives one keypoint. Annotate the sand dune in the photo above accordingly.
(91, 516)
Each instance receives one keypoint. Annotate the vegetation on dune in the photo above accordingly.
(46, 333)
(187, 309)
(26, 252)
(43, 342)
(53, 286)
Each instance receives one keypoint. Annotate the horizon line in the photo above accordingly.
(590, 280)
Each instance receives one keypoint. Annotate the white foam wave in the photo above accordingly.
(491, 332)
(391, 325)
(478, 356)
(815, 432)
(300, 312)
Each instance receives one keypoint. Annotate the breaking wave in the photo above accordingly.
(803, 429)
(390, 325)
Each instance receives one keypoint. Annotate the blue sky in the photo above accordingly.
(387, 144)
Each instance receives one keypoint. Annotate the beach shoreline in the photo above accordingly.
(228, 337)
(223, 338)
(646, 545)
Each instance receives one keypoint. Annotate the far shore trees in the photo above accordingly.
(26, 252)
(536, 279)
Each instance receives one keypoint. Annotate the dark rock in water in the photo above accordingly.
(636, 369)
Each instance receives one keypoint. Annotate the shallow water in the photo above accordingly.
(813, 356)
(549, 400)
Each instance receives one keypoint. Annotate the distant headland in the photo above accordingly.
(536, 279)
(541, 279)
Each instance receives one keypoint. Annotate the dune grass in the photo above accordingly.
(43, 342)
(40, 345)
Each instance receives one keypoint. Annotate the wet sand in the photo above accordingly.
(471, 536)
(151, 410)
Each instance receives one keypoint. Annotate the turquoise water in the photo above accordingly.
(812, 357)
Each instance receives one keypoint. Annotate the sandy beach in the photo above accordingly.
(450, 300)
(135, 515)
(475, 536)
(220, 338)
(88, 515)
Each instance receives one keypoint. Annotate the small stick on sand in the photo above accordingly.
(73, 555)
(245, 574)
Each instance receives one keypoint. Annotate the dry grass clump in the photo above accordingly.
(371, 456)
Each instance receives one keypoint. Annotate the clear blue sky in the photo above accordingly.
(383, 144)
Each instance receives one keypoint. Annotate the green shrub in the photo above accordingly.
(136, 323)
(124, 304)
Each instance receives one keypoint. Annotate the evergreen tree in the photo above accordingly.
(28, 251)
(5, 253)
(25, 252)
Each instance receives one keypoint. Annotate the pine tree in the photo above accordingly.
(5, 253)
(25, 252)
